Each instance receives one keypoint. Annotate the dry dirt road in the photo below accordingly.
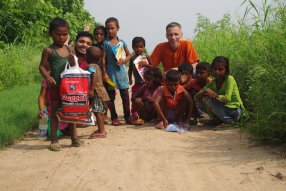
(143, 158)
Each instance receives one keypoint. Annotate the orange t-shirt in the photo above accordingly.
(172, 59)
(173, 101)
(193, 84)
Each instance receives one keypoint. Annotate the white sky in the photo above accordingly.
(148, 18)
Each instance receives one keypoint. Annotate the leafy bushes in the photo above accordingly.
(256, 48)
(19, 65)
(28, 20)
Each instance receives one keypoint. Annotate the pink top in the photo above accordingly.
(47, 96)
(146, 93)
(61, 124)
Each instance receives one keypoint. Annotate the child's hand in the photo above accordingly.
(143, 63)
(71, 59)
(211, 93)
(40, 115)
(150, 99)
(87, 27)
(105, 77)
(90, 93)
(165, 123)
(51, 81)
(120, 62)
(130, 82)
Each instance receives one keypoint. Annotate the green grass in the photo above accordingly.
(256, 48)
(18, 112)
(19, 65)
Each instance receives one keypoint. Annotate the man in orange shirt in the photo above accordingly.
(175, 51)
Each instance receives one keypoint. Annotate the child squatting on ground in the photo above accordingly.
(97, 92)
(173, 103)
(115, 70)
(56, 55)
(220, 98)
(144, 98)
(138, 45)
(193, 86)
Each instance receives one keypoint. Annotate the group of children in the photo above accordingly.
(153, 98)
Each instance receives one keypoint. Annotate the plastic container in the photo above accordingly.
(59, 133)
(43, 126)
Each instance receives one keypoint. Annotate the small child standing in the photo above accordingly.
(173, 103)
(145, 96)
(100, 35)
(97, 92)
(115, 70)
(56, 55)
(138, 45)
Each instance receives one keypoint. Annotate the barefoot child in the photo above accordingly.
(138, 45)
(115, 70)
(100, 35)
(220, 98)
(145, 96)
(173, 103)
(97, 92)
(56, 55)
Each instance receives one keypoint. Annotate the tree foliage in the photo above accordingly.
(27, 20)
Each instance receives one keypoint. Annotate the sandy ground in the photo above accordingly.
(144, 158)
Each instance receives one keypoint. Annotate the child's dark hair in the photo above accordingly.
(204, 66)
(138, 39)
(93, 54)
(84, 34)
(224, 60)
(156, 74)
(57, 22)
(100, 28)
(173, 75)
(112, 19)
(185, 67)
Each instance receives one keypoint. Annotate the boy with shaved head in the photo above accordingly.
(97, 92)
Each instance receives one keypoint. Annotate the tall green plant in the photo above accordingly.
(256, 47)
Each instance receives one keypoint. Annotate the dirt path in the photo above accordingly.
(143, 158)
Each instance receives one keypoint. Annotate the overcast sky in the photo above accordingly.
(148, 18)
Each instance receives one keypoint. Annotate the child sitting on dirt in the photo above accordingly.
(203, 70)
(145, 96)
(186, 71)
(97, 91)
(173, 103)
(138, 45)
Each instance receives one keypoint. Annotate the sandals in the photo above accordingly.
(139, 122)
(96, 131)
(210, 123)
(77, 143)
(194, 122)
(160, 125)
(54, 147)
(115, 122)
(225, 127)
(131, 120)
(97, 135)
